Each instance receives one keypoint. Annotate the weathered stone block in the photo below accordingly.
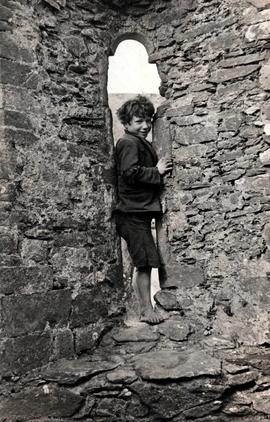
(233, 175)
(75, 45)
(190, 152)
(19, 137)
(69, 372)
(22, 354)
(266, 234)
(37, 402)
(205, 28)
(220, 75)
(161, 55)
(261, 401)
(171, 400)
(34, 251)
(17, 120)
(122, 376)
(230, 122)
(11, 50)
(195, 135)
(180, 111)
(176, 365)
(88, 307)
(177, 225)
(260, 4)
(260, 31)
(254, 184)
(183, 275)
(63, 344)
(14, 73)
(110, 408)
(203, 410)
(222, 41)
(5, 13)
(265, 76)
(57, 4)
(8, 241)
(248, 326)
(20, 99)
(256, 17)
(87, 337)
(5, 26)
(242, 60)
(167, 300)
(135, 334)
(25, 279)
(31, 313)
(265, 157)
(175, 330)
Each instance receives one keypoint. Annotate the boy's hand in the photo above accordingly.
(164, 165)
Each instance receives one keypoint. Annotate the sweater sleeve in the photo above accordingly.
(131, 168)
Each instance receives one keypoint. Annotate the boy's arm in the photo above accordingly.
(131, 168)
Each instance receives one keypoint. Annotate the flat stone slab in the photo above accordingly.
(168, 364)
(175, 330)
(125, 376)
(139, 333)
(69, 372)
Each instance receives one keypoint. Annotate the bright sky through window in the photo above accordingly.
(130, 72)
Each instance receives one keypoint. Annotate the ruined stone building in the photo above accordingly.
(66, 350)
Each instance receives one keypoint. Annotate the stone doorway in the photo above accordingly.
(130, 74)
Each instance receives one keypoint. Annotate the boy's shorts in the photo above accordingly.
(135, 229)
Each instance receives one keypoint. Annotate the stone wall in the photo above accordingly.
(60, 260)
(62, 292)
(216, 229)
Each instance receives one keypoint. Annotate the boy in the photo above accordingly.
(139, 181)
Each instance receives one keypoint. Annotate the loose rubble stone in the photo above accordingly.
(175, 365)
(167, 300)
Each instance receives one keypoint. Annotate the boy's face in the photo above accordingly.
(139, 126)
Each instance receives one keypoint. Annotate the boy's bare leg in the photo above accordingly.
(143, 287)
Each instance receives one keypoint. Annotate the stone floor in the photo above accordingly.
(148, 373)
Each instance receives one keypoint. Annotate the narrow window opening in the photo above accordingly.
(130, 74)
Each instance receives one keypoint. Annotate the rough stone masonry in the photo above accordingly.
(66, 352)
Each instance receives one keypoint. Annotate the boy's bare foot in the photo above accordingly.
(151, 317)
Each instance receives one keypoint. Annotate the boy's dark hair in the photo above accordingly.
(139, 106)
